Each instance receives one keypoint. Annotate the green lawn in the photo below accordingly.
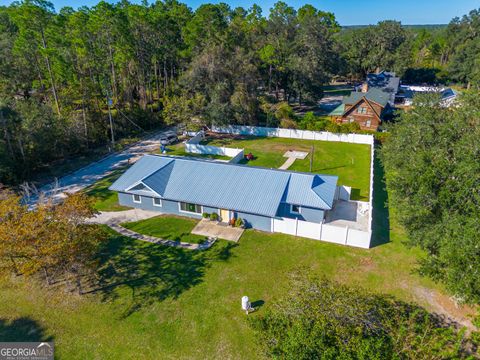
(351, 162)
(186, 304)
(167, 227)
(151, 301)
(106, 200)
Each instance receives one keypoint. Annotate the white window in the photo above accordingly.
(190, 208)
(362, 110)
(137, 199)
(157, 202)
(295, 209)
(369, 122)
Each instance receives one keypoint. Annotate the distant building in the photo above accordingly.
(371, 103)
(448, 96)
(386, 81)
(368, 109)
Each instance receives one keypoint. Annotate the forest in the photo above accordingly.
(149, 65)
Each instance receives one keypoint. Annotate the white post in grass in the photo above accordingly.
(245, 304)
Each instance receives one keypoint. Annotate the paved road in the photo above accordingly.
(329, 103)
(89, 174)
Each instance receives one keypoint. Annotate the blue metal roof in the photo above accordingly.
(228, 186)
(316, 191)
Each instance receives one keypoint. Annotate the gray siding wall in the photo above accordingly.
(255, 221)
(306, 213)
(168, 206)
(171, 207)
(210, 210)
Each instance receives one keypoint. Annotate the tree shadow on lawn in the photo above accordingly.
(152, 272)
(381, 213)
(22, 329)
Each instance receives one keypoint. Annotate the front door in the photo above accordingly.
(225, 215)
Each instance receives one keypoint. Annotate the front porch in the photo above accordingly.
(220, 230)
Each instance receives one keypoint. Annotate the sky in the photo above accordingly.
(347, 12)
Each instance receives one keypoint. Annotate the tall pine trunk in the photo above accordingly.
(50, 74)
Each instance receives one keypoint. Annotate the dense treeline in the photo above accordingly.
(432, 162)
(164, 63)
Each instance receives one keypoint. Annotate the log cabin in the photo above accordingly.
(368, 108)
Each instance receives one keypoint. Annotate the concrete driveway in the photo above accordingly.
(89, 174)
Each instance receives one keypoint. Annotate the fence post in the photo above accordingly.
(320, 235)
(296, 226)
(346, 236)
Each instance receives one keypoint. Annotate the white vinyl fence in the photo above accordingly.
(325, 232)
(193, 146)
(318, 231)
(294, 134)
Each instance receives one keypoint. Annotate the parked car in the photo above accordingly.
(168, 139)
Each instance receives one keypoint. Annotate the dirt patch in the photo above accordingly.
(367, 264)
(446, 306)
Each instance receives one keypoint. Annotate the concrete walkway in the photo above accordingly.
(291, 156)
(113, 219)
(134, 235)
(287, 163)
(90, 174)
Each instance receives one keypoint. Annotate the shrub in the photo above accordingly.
(214, 216)
(288, 124)
(314, 123)
(238, 222)
(283, 111)
(332, 127)
(205, 215)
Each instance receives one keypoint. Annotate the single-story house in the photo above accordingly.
(191, 187)
(368, 109)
